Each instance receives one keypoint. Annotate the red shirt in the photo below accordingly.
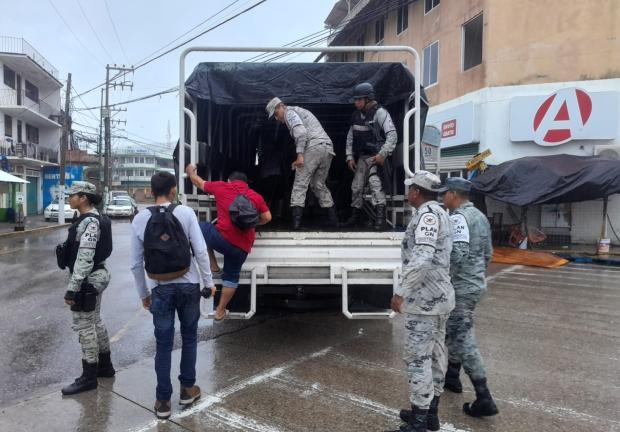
(225, 193)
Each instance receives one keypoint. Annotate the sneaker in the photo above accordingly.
(189, 395)
(162, 409)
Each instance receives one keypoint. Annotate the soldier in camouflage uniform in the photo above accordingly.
(426, 297)
(370, 141)
(471, 255)
(315, 152)
(88, 271)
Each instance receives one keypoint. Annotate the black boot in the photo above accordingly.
(104, 367)
(88, 380)
(379, 218)
(453, 383)
(354, 219)
(332, 217)
(484, 405)
(432, 418)
(417, 420)
(297, 213)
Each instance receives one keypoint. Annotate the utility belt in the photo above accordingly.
(85, 298)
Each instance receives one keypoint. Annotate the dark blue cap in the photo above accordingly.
(456, 184)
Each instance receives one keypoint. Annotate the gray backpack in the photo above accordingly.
(242, 212)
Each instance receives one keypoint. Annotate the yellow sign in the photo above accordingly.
(476, 160)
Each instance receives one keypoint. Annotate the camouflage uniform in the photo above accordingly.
(92, 332)
(317, 148)
(366, 168)
(469, 260)
(428, 299)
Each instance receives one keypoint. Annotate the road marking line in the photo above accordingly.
(119, 334)
(506, 270)
(209, 400)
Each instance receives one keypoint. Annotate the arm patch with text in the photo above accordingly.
(460, 229)
(427, 230)
(90, 236)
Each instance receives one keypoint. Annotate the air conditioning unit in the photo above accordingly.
(608, 151)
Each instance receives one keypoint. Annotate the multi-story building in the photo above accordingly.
(29, 119)
(526, 78)
(133, 167)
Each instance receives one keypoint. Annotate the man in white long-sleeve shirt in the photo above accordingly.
(181, 294)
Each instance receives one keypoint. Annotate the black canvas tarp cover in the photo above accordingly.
(301, 83)
(550, 179)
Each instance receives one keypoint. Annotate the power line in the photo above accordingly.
(170, 90)
(190, 30)
(93, 29)
(118, 39)
(185, 42)
(72, 32)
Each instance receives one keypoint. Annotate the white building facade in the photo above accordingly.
(577, 118)
(30, 118)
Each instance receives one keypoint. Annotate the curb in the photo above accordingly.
(32, 231)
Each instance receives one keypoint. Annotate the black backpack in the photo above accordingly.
(167, 253)
(242, 212)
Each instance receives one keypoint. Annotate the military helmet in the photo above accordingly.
(364, 90)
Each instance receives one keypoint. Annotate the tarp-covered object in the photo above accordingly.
(303, 83)
(550, 179)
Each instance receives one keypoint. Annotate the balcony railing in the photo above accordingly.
(16, 45)
(13, 97)
(9, 147)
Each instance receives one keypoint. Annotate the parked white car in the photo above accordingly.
(119, 207)
(51, 211)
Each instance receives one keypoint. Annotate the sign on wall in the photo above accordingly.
(51, 181)
(566, 115)
(456, 124)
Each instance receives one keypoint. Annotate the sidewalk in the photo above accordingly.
(33, 224)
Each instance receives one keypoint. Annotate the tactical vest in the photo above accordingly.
(368, 136)
(104, 244)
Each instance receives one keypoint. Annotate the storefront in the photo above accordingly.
(578, 118)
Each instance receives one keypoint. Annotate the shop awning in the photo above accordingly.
(5, 177)
(550, 179)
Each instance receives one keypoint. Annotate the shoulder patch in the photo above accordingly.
(427, 230)
(292, 118)
(90, 236)
(460, 229)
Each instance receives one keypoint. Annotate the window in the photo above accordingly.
(402, 21)
(431, 64)
(8, 126)
(32, 134)
(32, 91)
(9, 77)
(379, 30)
(472, 43)
(141, 160)
(360, 42)
(430, 5)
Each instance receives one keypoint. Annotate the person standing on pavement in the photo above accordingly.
(225, 237)
(471, 255)
(370, 141)
(315, 152)
(168, 244)
(426, 297)
(88, 245)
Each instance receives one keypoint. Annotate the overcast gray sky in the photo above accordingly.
(144, 26)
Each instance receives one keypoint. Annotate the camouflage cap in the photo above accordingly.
(425, 180)
(456, 184)
(82, 187)
(272, 105)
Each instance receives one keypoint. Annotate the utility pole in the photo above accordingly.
(100, 142)
(107, 124)
(66, 129)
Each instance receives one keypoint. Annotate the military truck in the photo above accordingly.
(226, 128)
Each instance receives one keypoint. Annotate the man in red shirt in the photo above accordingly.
(225, 237)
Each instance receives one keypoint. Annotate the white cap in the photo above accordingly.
(272, 105)
(425, 180)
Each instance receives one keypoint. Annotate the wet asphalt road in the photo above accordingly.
(550, 340)
(39, 349)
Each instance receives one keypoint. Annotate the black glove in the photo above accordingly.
(70, 295)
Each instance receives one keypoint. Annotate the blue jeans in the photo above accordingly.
(233, 256)
(184, 298)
